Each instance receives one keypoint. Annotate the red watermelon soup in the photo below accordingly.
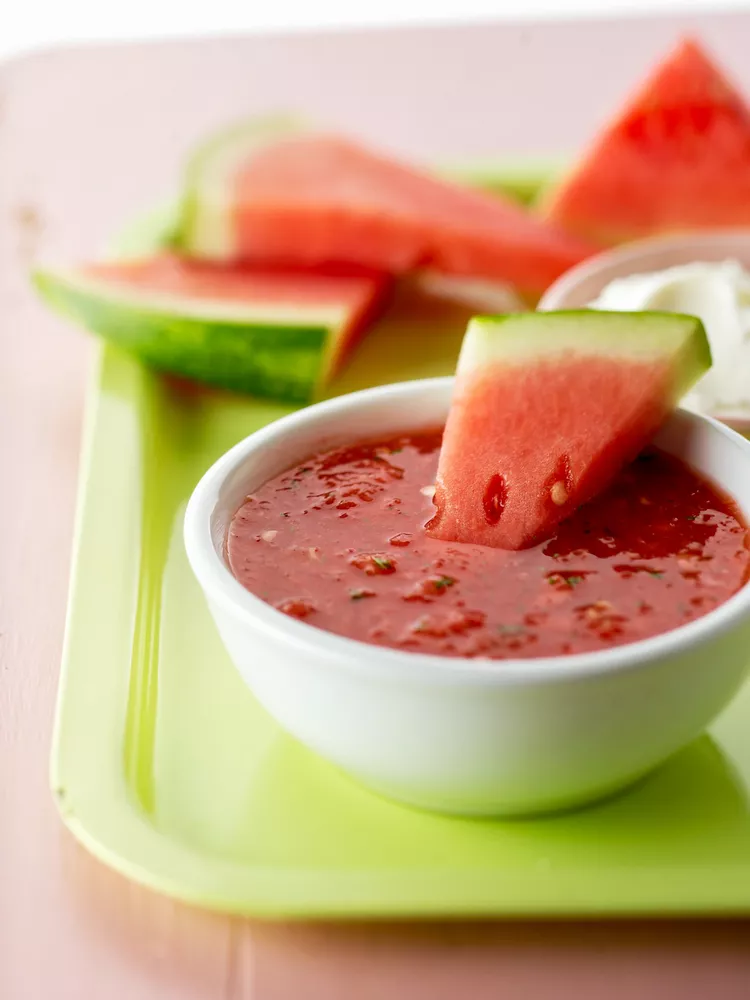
(339, 542)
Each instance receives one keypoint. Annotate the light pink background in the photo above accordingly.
(87, 139)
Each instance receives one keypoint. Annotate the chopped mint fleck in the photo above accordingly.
(382, 563)
(657, 573)
(511, 629)
(357, 595)
(443, 582)
(690, 517)
(567, 579)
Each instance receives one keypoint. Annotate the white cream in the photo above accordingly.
(719, 293)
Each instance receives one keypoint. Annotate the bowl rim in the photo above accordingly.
(336, 651)
(555, 295)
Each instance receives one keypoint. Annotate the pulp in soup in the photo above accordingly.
(338, 542)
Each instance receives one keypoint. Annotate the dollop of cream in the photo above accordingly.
(719, 294)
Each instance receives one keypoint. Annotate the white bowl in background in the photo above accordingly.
(457, 735)
(583, 283)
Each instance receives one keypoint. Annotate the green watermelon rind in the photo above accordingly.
(262, 358)
(644, 336)
(521, 178)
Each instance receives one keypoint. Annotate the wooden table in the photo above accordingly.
(87, 139)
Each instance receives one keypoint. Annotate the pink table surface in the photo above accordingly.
(88, 137)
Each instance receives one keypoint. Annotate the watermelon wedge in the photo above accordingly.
(268, 192)
(547, 408)
(258, 330)
(676, 158)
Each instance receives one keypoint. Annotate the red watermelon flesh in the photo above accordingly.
(313, 198)
(348, 297)
(676, 158)
(547, 409)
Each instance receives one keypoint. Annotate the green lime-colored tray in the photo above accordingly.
(166, 768)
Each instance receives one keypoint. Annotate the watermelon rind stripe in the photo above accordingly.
(259, 357)
(517, 339)
(270, 311)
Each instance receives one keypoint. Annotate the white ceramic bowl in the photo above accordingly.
(584, 282)
(467, 736)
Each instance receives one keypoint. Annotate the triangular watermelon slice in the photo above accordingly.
(676, 158)
(271, 193)
(265, 331)
(547, 408)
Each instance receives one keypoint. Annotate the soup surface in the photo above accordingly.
(339, 542)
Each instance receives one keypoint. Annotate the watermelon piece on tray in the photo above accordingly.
(265, 331)
(270, 192)
(676, 158)
(547, 408)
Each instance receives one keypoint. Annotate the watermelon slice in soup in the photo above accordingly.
(547, 408)
(268, 192)
(280, 333)
(676, 158)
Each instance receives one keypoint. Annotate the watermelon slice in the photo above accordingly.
(547, 409)
(676, 158)
(257, 330)
(270, 193)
